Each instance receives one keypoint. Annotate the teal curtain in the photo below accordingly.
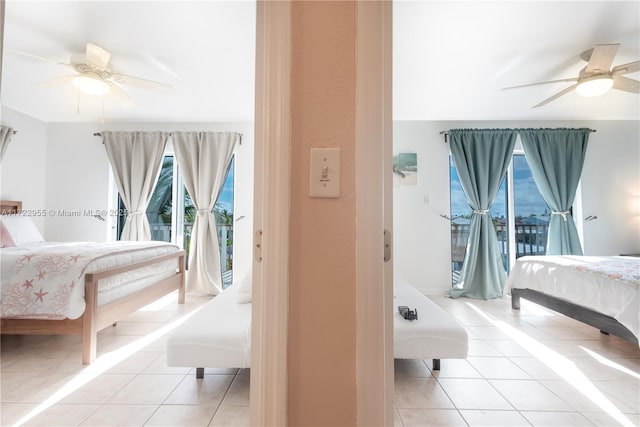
(481, 157)
(556, 157)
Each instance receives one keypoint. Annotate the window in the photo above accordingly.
(523, 233)
(171, 215)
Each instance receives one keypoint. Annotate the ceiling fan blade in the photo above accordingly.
(556, 96)
(626, 84)
(56, 82)
(122, 96)
(601, 58)
(97, 56)
(631, 67)
(147, 84)
(573, 79)
(40, 58)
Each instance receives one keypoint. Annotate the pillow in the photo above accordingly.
(244, 288)
(6, 241)
(22, 229)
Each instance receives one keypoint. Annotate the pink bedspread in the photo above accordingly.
(46, 281)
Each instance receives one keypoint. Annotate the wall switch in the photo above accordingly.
(324, 175)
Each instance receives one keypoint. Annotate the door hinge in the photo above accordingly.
(257, 251)
(387, 246)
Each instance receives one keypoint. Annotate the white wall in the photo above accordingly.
(610, 190)
(23, 168)
(63, 167)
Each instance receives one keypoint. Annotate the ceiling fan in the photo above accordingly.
(597, 77)
(94, 77)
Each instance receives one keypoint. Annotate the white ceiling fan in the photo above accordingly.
(94, 77)
(597, 77)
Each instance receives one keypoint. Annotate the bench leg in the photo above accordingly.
(436, 364)
(199, 372)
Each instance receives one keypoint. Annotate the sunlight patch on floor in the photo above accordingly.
(102, 364)
(610, 363)
(562, 366)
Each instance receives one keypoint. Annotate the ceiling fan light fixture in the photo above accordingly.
(91, 86)
(595, 86)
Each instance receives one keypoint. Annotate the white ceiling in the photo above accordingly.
(450, 59)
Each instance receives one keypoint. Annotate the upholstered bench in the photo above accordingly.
(434, 335)
(219, 334)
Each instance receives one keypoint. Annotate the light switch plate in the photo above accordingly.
(324, 175)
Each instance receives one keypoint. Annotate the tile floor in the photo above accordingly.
(531, 367)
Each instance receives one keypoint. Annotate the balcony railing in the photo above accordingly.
(531, 239)
(162, 232)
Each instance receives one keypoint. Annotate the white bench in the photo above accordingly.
(219, 334)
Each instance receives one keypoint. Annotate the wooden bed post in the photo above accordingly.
(89, 327)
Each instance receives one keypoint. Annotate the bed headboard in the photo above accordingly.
(10, 207)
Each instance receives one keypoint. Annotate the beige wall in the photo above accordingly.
(322, 322)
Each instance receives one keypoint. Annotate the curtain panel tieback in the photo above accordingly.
(481, 211)
(203, 211)
(132, 213)
(563, 213)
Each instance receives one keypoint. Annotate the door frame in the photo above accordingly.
(374, 294)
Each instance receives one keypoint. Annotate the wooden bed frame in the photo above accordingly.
(606, 324)
(97, 317)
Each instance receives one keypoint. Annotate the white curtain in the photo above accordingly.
(5, 138)
(136, 159)
(203, 159)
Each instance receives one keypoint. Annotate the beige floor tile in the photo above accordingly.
(397, 421)
(420, 393)
(11, 380)
(135, 328)
(486, 333)
(182, 415)
(146, 390)
(206, 391)
(600, 372)
(477, 418)
(479, 347)
(231, 416)
(564, 332)
(11, 413)
(149, 316)
(135, 363)
(159, 366)
(535, 368)
(627, 392)
(456, 368)
(62, 415)
(238, 394)
(431, 417)
(583, 399)
(509, 348)
(410, 368)
(120, 415)
(498, 368)
(529, 396)
(473, 394)
(99, 389)
(559, 419)
(37, 389)
(602, 419)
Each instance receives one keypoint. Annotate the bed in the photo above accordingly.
(78, 288)
(603, 292)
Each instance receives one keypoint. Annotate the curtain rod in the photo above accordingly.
(170, 134)
(446, 132)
